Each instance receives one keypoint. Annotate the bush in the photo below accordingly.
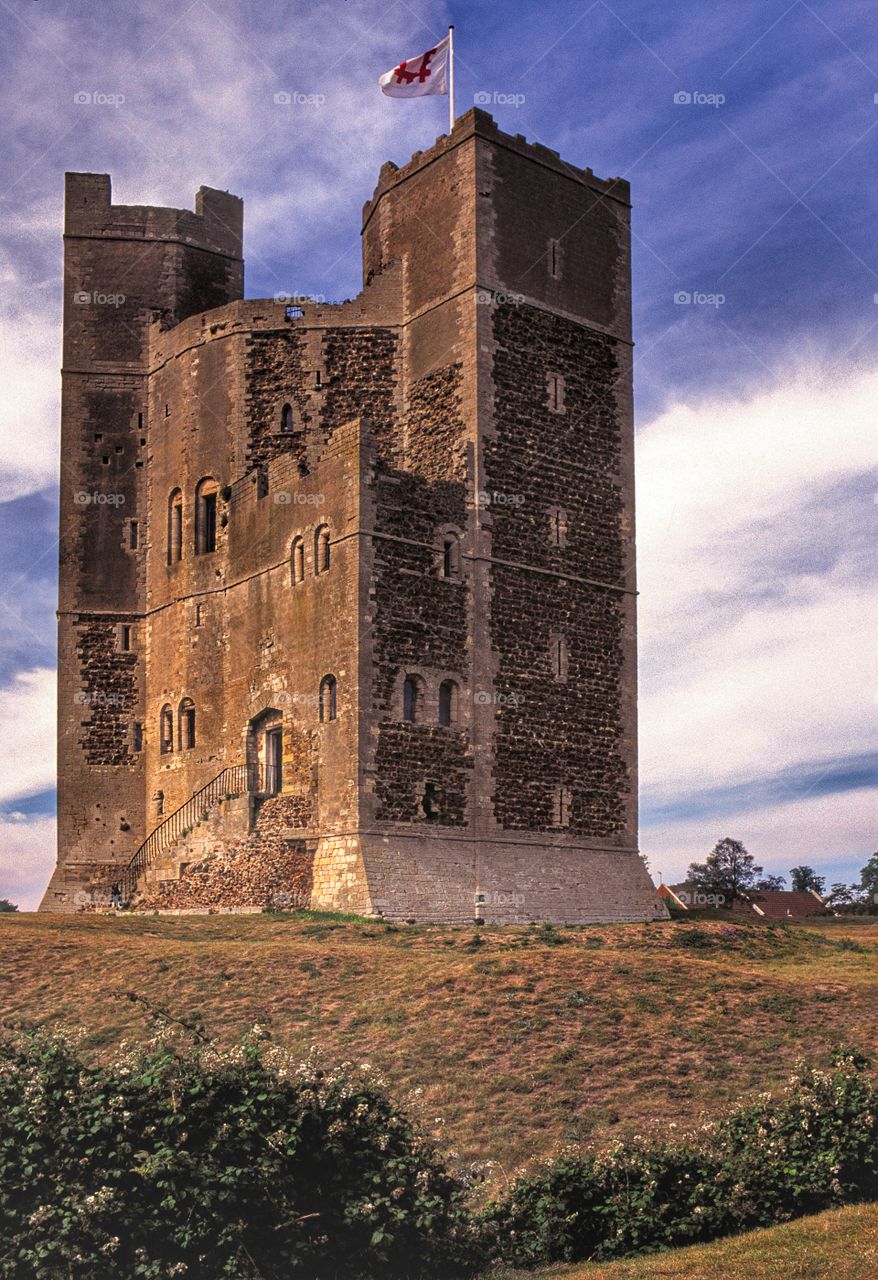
(813, 1148)
(200, 1163)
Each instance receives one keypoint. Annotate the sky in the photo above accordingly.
(748, 131)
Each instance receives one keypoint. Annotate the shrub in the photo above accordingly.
(200, 1163)
(814, 1147)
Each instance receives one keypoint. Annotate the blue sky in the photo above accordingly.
(749, 134)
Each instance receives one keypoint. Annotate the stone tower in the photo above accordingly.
(365, 588)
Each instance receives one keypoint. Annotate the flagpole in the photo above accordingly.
(451, 79)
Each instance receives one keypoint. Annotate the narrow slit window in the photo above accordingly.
(555, 388)
(186, 730)
(558, 657)
(206, 497)
(558, 527)
(561, 806)
(322, 550)
(448, 702)
(175, 527)
(328, 699)
(412, 699)
(166, 731)
(297, 561)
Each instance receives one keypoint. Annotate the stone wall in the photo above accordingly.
(541, 460)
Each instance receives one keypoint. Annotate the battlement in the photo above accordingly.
(217, 224)
(476, 123)
(378, 303)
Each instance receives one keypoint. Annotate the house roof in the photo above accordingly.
(779, 904)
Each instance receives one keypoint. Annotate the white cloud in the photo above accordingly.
(27, 858)
(199, 107)
(758, 600)
(27, 727)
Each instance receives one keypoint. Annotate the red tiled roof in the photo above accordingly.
(778, 904)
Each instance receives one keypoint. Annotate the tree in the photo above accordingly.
(804, 878)
(841, 896)
(771, 884)
(728, 871)
(6, 905)
(867, 890)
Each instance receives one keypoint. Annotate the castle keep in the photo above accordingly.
(347, 600)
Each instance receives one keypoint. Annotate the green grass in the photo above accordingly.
(509, 1041)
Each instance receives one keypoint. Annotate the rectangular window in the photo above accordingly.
(133, 535)
(555, 259)
(126, 637)
(138, 737)
(199, 614)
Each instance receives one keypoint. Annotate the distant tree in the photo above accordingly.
(6, 905)
(804, 878)
(771, 884)
(868, 887)
(729, 870)
(841, 897)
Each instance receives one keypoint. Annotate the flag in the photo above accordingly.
(415, 77)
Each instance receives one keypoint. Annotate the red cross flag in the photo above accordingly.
(416, 77)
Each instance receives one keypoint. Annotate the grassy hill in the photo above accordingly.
(842, 1244)
(509, 1041)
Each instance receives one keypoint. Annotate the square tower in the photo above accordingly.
(385, 585)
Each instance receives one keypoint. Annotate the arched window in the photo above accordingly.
(166, 730)
(286, 418)
(175, 526)
(328, 699)
(321, 549)
(186, 725)
(449, 697)
(206, 498)
(412, 698)
(558, 657)
(450, 562)
(297, 560)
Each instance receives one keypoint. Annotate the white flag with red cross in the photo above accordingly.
(416, 77)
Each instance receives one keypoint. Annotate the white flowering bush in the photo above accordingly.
(198, 1163)
(813, 1147)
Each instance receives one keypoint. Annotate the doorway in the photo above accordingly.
(274, 757)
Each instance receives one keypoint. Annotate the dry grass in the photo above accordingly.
(842, 1244)
(519, 1039)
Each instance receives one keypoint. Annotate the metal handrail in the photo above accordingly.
(250, 778)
